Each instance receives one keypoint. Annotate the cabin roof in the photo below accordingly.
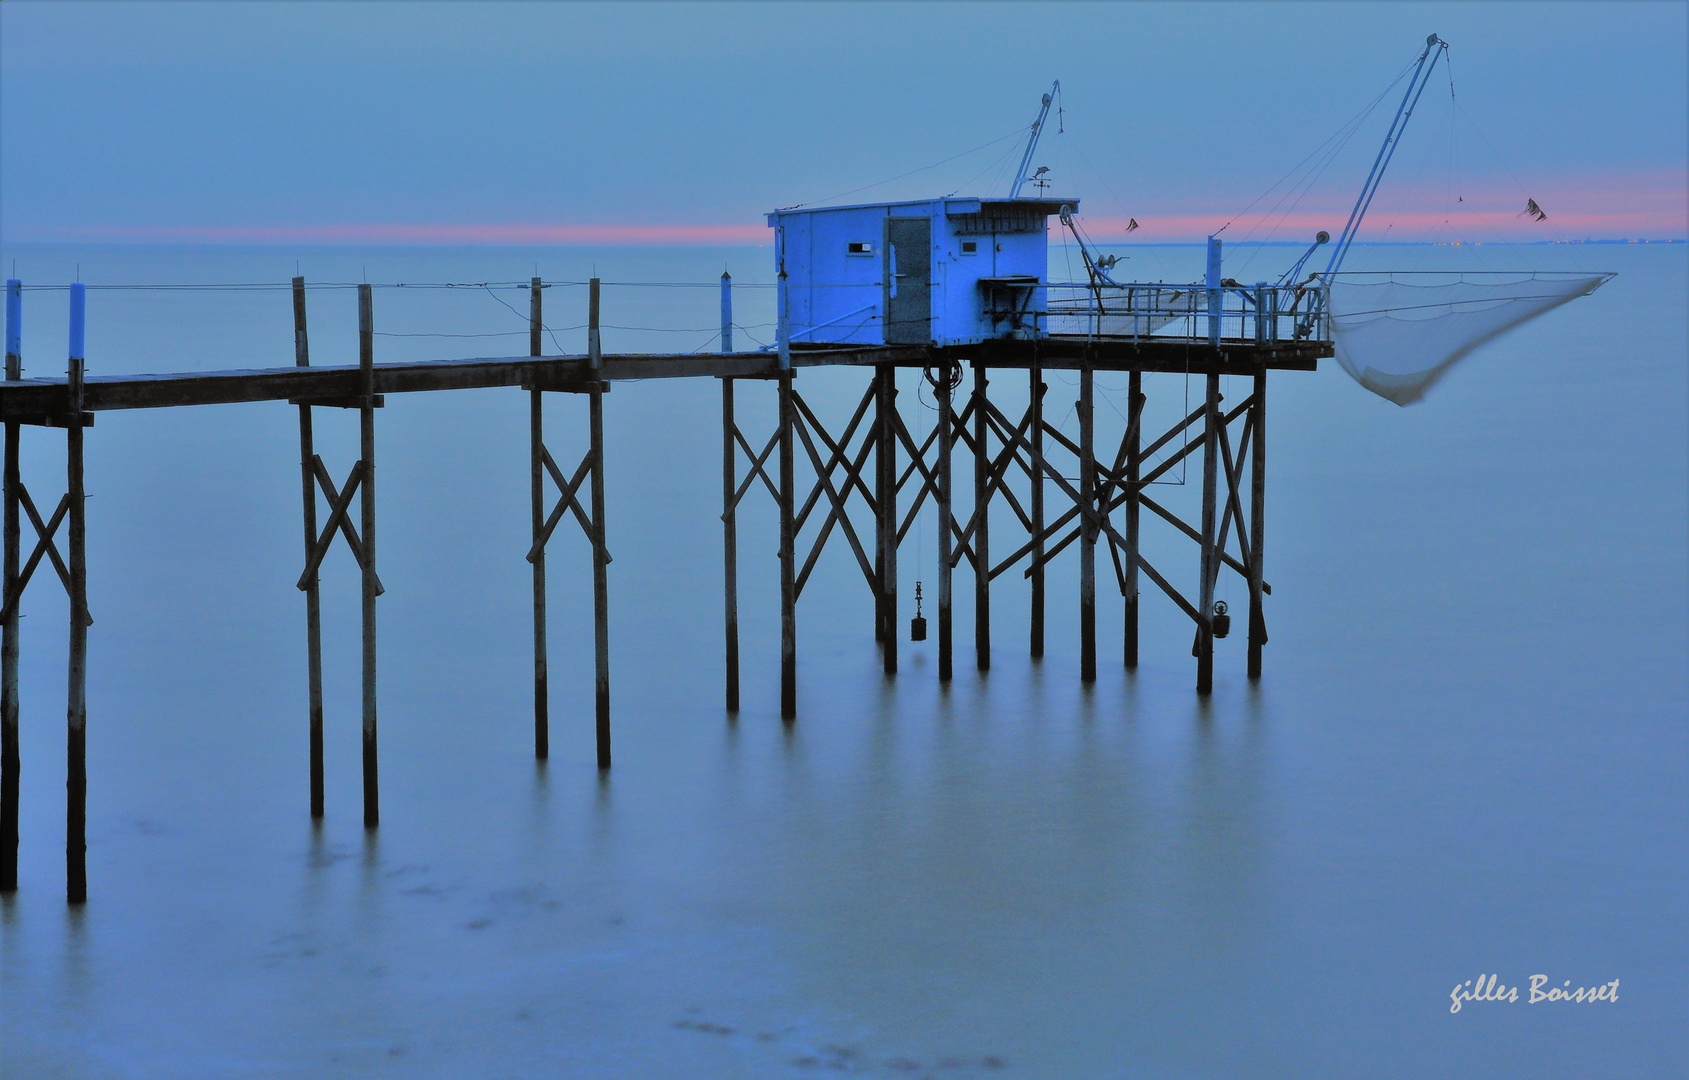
(954, 206)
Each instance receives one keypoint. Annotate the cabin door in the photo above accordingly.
(908, 281)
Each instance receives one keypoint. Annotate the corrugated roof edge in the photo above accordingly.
(952, 207)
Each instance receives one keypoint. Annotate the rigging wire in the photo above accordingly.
(1344, 131)
(880, 183)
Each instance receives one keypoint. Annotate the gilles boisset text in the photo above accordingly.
(1491, 991)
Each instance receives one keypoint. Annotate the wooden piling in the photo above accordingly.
(1036, 390)
(1205, 603)
(366, 489)
(729, 511)
(76, 700)
(982, 527)
(536, 501)
(1257, 522)
(10, 762)
(945, 490)
(600, 551)
(887, 523)
(788, 525)
(1134, 468)
(313, 604)
(882, 625)
(788, 590)
(1088, 529)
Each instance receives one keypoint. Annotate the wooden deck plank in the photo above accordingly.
(36, 399)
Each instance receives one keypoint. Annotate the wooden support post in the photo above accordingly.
(946, 491)
(1134, 467)
(883, 630)
(1257, 522)
(536, 500)
(366, 489)
(600, 551)
(76, 700)
(788, 528)
(982, 527)
(1036, 390)
(887, 521)
(729, 512)
(1205, 602)
(313, 605)
(788, 591)
(10, 767)
(1087, 528)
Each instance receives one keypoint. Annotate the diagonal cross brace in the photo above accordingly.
(1006, 433)
(44, 545)
(757, 467)
(1119, 498)
(840, 452)
(995, 484)
(337, 522)
(837, 514)
(566, 501)
(852, 468)
(929, 484)
(347, 529)
(1234, 475)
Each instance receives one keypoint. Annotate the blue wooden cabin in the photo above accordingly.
(949, 271)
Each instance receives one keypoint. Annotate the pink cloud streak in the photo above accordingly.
(1654, 205)
(488, 235)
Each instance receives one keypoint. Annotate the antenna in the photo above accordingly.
(1032, 141)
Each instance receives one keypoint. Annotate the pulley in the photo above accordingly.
(1222, 621)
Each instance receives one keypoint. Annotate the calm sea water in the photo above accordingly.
(1468, 753)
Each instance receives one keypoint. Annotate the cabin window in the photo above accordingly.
(970, 247)
(859, 247)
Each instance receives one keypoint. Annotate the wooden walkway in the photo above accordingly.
(873, 464)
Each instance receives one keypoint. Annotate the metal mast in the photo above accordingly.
(1434, 47)
(1032, 141)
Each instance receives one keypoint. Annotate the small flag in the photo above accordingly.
(1535, 212)
(1131, 224)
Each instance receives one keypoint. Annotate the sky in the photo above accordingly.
(520, 124)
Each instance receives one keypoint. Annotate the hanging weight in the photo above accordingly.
(1222, 621)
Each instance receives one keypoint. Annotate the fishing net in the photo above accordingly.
(1397, 334)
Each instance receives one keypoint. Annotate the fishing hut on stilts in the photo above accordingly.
(956, 290)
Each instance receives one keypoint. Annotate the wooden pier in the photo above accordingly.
(906, 474)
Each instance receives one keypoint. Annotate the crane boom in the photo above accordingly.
(1434, 48)
(1032, 141)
